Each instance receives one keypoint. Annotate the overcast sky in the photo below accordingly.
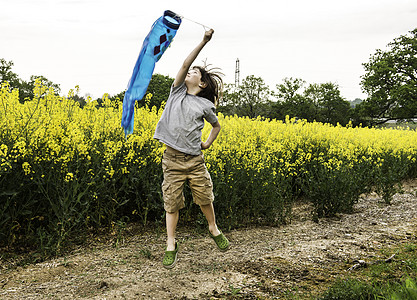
(95, 43)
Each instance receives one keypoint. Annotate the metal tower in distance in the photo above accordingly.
(237, 72)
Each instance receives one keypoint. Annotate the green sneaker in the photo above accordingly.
(170, 258)
(221, 241)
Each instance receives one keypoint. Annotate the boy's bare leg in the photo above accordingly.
(208, 211)
(171, 221)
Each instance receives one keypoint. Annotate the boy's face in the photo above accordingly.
(193, 77)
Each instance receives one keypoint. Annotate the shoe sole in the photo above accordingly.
(225, 249)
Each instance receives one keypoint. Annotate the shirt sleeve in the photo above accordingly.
(176, 92)
(179, 89)
(210, 115)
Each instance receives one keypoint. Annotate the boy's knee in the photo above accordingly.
(203, 206)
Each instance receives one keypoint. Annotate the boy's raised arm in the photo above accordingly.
(191, 57)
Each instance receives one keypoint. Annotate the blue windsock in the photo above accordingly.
(156, 42)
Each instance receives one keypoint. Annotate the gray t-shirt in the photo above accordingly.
(182, 120)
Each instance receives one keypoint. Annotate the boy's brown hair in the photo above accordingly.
(212, 78)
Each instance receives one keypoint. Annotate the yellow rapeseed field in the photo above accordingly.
(64, 169)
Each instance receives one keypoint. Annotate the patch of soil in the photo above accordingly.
(263, 263)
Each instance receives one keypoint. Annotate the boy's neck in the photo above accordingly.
(194, 90)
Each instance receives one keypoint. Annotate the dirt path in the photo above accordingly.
(263, 263)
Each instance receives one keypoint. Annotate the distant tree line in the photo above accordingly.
(315, 102)
(25, 87)
(390, 81)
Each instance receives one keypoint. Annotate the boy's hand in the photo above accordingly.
(207, 35)
(213, 135)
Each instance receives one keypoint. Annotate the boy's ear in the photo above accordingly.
(202, 85)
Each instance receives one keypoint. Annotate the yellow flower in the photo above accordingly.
(26, 168)
(69, 177)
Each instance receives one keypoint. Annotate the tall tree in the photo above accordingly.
(249, 99)
(159, 87)
(289, 89)
(316, 102)
(391, 82)
(6, 74)
(292, 102)
(331, 107)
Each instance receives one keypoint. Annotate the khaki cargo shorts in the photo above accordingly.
(179, 168)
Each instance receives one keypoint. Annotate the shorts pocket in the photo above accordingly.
(164, 164)
(208, 182)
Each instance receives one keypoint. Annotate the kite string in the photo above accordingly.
(204, 26)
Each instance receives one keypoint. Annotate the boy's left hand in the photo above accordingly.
(208, 34)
